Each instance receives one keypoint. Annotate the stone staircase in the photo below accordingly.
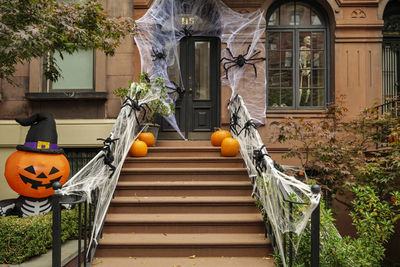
(183, 200)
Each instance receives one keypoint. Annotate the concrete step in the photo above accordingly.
(184, 188)
(180, 245)
(184, 151)
(184, 223)
(188, 261)
(183, 162)
(184, 174)
(200, 204)
(182, 143)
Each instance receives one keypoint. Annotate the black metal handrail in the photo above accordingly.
(84, 226)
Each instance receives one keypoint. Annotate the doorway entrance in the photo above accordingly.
(197, 110)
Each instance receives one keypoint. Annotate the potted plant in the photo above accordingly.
(159, 104)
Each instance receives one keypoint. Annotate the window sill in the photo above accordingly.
(67, 96)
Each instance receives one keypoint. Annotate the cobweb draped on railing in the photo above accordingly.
(100, 175)
(272, 186)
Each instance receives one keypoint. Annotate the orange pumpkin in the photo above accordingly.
(138, 149)
(229, 147)
(148, 138)
(218, 136)
(32, 174)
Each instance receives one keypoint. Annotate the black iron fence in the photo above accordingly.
(391, 110)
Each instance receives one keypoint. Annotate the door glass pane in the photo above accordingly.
(76, 71)
(287, 40)
(274, 19)
(315, 20)
(202, 71)
(273, 41)
(287, 14)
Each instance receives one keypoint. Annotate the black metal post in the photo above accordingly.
(80, 234)
(290, 235)
(56, 235)
(315, 220)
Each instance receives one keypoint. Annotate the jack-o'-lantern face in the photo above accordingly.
(32, 174)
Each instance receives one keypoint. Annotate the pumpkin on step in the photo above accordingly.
(138, 149)
(148, 138)
(32, 174)
(218, 136)
(229, 147)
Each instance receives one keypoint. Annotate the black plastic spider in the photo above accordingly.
(108, 155)
(158, 55)
(176, 92)
(234, 121)
(258, 159)
(146, 77)
(241, 60)
(187, 31)
(246, 127)
(134, 105)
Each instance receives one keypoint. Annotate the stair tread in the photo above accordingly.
(169, 170)
(188, 261)
(184, 199)
(154, 158)
(183, 183)
(155, 148)
(183, 239)
(184, 218)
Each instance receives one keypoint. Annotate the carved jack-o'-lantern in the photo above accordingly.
(32, 174)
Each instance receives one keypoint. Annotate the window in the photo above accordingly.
(297, 52)
(76, 70)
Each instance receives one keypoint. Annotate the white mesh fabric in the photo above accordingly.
(271, 183)
(168, 21)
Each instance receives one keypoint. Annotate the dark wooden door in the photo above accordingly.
(198, 110)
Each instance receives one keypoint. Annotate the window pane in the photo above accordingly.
(287, 14)
(287, 97)
(274, 19)
(318, 59)
(286, 40)
(287, 78)
(287, 59)
(202, 71)
(76, 69)
(318, 78)
(302, 14)
(315, 20)
(318, 40)
(305, 96)
(273, 60)
(273, 41)
(274, 97)
(274, 78)
(318, 98)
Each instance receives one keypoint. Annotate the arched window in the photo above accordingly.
(297, 53)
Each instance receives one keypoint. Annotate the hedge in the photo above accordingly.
(23, 238)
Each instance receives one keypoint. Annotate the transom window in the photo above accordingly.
(297, 57)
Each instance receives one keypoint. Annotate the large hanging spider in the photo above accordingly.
(234, 121)
(241, 60)
(246, 127)
(258, 159)
(108, 155)
(134, 105)
(158, 55)
(176, 92)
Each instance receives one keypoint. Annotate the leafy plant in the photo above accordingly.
(158, 102)
(22, 238)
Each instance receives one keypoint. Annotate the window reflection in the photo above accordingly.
(202, 71)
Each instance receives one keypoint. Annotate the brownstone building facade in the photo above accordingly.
(315, 51)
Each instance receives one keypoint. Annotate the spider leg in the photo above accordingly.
(228, 59)
(230, 52)
(255, 54)
(226, 69)
(248, 48)
(254, 66)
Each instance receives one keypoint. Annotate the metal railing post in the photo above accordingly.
(56, 235)
(315, 220)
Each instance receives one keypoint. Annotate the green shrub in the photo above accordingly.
(22, 238)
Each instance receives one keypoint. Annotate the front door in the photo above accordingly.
(197, 110)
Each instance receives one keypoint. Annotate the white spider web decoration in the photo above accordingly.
(168, 21)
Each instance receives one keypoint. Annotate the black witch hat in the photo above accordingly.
(42, 136)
